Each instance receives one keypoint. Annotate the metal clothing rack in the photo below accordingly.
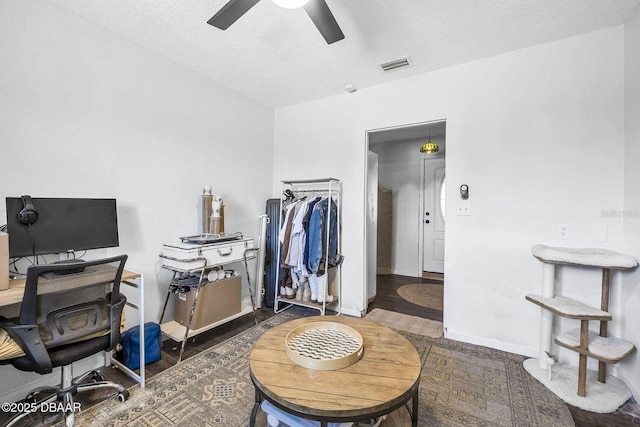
(322, 187)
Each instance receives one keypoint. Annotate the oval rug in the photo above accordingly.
(423, 294)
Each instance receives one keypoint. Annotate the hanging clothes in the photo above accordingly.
(285, 232)
(325, 214)
(303, 236)
(305, 224)
(298, 239)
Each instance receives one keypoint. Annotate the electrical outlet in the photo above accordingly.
(564, 231)
(463, 208)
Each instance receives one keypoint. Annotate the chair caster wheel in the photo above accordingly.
(123, 396)
(96, 377)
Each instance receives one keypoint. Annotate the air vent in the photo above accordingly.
(403, 62)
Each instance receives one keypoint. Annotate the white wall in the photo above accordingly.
(87, 113)
(400, 165)
(630, 367)
(537, 134)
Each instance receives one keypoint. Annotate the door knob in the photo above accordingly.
(426, 222)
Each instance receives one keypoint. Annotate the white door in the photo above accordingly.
(433, 215)
(372, 224)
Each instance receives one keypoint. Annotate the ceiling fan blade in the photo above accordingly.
(322, 17)
(230, 13)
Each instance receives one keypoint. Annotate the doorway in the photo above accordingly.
(415, 185)
(434, 193)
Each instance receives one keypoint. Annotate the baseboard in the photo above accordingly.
(433, 276)
(383, 270)
(351, 312)
(498, 345)
(408, 273)
(621, 375)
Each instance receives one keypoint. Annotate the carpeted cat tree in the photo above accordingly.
(596, 391)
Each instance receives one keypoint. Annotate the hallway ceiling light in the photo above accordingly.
(429, 147)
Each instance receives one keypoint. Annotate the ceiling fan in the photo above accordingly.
(317, 10)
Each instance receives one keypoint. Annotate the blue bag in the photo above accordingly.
(131, 345)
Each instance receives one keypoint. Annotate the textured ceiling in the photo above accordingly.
(279, 58)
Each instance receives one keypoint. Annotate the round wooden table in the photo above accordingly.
(384, 379)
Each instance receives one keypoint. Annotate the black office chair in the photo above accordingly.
(58, 328)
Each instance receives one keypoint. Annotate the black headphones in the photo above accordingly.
(28, 215)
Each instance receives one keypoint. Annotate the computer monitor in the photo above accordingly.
(62, 225)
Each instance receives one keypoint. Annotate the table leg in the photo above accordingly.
(256, 406)
(414, 412)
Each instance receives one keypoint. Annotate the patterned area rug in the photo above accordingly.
(461, 385)
(423, 294)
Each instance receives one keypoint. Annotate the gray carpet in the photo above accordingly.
(461, 385)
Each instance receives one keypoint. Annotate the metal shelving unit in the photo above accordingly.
(181, 333)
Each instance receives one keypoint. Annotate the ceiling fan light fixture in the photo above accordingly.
(290, 4)
(317, 10)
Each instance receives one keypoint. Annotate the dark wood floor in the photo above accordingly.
(386, 298)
